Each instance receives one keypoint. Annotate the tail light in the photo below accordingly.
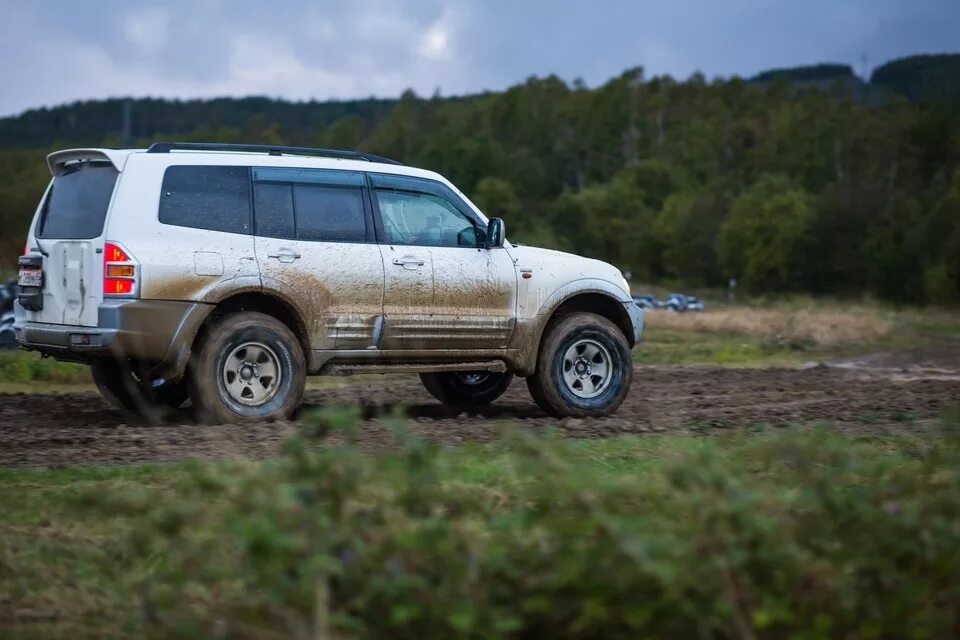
(119, 271)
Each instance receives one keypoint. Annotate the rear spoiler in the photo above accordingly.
(58, 159)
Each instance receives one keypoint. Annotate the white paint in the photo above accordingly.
(207, 263)
(421, 297)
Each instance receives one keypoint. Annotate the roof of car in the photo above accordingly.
(270, 149)
(264, 155)
(267, 155)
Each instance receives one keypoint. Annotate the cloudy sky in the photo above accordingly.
(54, 51)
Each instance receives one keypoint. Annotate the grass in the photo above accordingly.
(20, 368)
(803, 327)
(780, 533)
(788, 332)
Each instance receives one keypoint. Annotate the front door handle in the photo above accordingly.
(285, 255)
(408, 262)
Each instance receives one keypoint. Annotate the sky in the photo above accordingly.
(53, 51)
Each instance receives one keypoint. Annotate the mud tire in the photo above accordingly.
(547, 385)
(213, 403)
(127, 385)
(456, 388)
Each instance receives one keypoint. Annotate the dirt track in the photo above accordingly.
(56, 430)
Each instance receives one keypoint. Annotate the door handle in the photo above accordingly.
(408, 262)
(285, 255)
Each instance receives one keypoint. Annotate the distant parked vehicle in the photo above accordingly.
(8, 338)
(679, 302)
(646, 301)
(8, 293)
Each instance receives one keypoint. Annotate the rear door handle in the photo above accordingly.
(408, 262)
(285, 255)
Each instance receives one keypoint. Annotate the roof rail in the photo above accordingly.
(273, 150)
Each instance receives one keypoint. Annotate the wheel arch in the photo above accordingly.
(264, 302)
(600, 301)
(245, 300)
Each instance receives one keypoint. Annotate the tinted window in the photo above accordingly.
(273, 208)
(206, 197)
(425, 220)
(77, 203)
(309, 204)
(331, 214)
(289, 175)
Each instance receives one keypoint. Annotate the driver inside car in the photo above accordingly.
(432, 233)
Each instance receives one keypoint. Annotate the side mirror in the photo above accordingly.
(496, 233)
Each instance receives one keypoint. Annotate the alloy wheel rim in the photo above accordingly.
(587, 366)
(251, 374)
(474, 378)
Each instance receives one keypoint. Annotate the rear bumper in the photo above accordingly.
(636, 319)
(145, 329)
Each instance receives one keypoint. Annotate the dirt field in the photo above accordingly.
(883, 394)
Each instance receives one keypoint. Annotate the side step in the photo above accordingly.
(495, 366)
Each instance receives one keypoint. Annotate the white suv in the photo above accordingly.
(227, 273)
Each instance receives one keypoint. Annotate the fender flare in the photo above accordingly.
(181, 346)
(527, 343)
(577, 287)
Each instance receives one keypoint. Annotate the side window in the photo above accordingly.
(273, 210)
(425, 220)
(304, 204)
(329, 214)
(206, 197)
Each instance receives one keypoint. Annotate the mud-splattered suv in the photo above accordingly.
(225, 274)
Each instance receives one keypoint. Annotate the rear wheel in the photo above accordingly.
(468, 388)
(583, 368)
(249, 367)
(128, 385)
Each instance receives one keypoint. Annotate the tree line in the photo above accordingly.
(785, 188)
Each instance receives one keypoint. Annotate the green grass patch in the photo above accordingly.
(781, 533)
(666, 346)
(22, 367)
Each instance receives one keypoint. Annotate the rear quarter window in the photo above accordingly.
(77, 203)
(216, 198)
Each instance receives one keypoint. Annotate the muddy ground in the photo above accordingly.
(885, 395)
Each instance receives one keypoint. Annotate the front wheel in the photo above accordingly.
(466, 389)
(249, 367)
(583, 368)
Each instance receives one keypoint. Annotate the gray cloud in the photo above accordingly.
(58, 51)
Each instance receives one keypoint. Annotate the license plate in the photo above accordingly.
(30, 278)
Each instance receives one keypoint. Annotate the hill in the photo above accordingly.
(809, 73)
(695, 181)
(922, 78)
(122, 121)
(90, 122)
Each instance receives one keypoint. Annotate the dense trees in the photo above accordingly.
(784, 187)
(767, 238)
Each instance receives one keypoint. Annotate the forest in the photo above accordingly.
(808, 180)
